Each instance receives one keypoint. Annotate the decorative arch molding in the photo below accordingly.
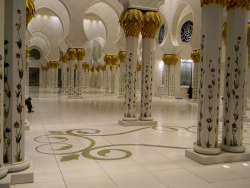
(58, 8)
(101, 40)
(176, 21)
(44, 37)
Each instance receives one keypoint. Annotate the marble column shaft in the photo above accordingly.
(209, 93)
(236, 62)
(122, 79)
(146, 79)
(3, 169)
(166, 81)
(14, 135)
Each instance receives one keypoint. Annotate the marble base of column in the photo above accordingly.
(235, 149)
(16, 167)
(207, 151)
(3, 172)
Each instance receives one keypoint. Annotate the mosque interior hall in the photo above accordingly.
(124, 94)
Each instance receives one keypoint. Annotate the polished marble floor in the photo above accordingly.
(79, 143)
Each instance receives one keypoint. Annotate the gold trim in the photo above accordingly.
(80, 53)
(107, 59)
(212, 2)
(170, 59)
(195, 55)
(114, 59)
(131, 21)
(237, 4)
(122, 56)
(103, 67)
(30, 11)
(71, 53)
(151, 24)
(97, 68)
(64, 57)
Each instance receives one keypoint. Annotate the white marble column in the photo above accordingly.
(64, 59)
(236, 62)
(107, 60)
(98, 77)
(80, 53)
(132, 32)
(146, 80)
(14, 135)
(195, 55)
(86, 73)
(72, 61)
(166, 80)
(92, 77)
(26, 75)
(151, 24)
(114, 60)
(170, 61)
(103, 68)
(122, 56)
(209, 93)
(3, 169)
(48, 77)
(166, 77)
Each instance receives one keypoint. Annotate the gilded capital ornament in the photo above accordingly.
(107, 59)
(97, 68)
(64, 57)
(27, 55)
(71, 53)
(151, 24)
(80, 53)
(138, 66)
(86, 65)
(56, 64)
(237, 4)
(170, 59)
(122, 56)
(131, 21)
(103, 67)
(195, 55)
(76, 66)
(212, 2)
(92, 69)
(30, 11)
(114, 60)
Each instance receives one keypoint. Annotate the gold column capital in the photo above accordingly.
(85, 66)
(80, 53)
(212, 2)
(195, 55)
(30, 11)
(122, 56)
(56, 64)
(138, 66)
(237, 4)
(170, 59)
(131, 21)
(97, 68)
(76, 66)
(64, 57)
(27, 55)
(92, 69)
(114, 59)
(71, 53)
(107, 59)
(151, 24)
(103, 67)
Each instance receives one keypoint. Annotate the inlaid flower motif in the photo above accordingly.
(16, 124)
(19, 11)
(18, 55)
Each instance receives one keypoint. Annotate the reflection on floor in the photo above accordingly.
(78, 143)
